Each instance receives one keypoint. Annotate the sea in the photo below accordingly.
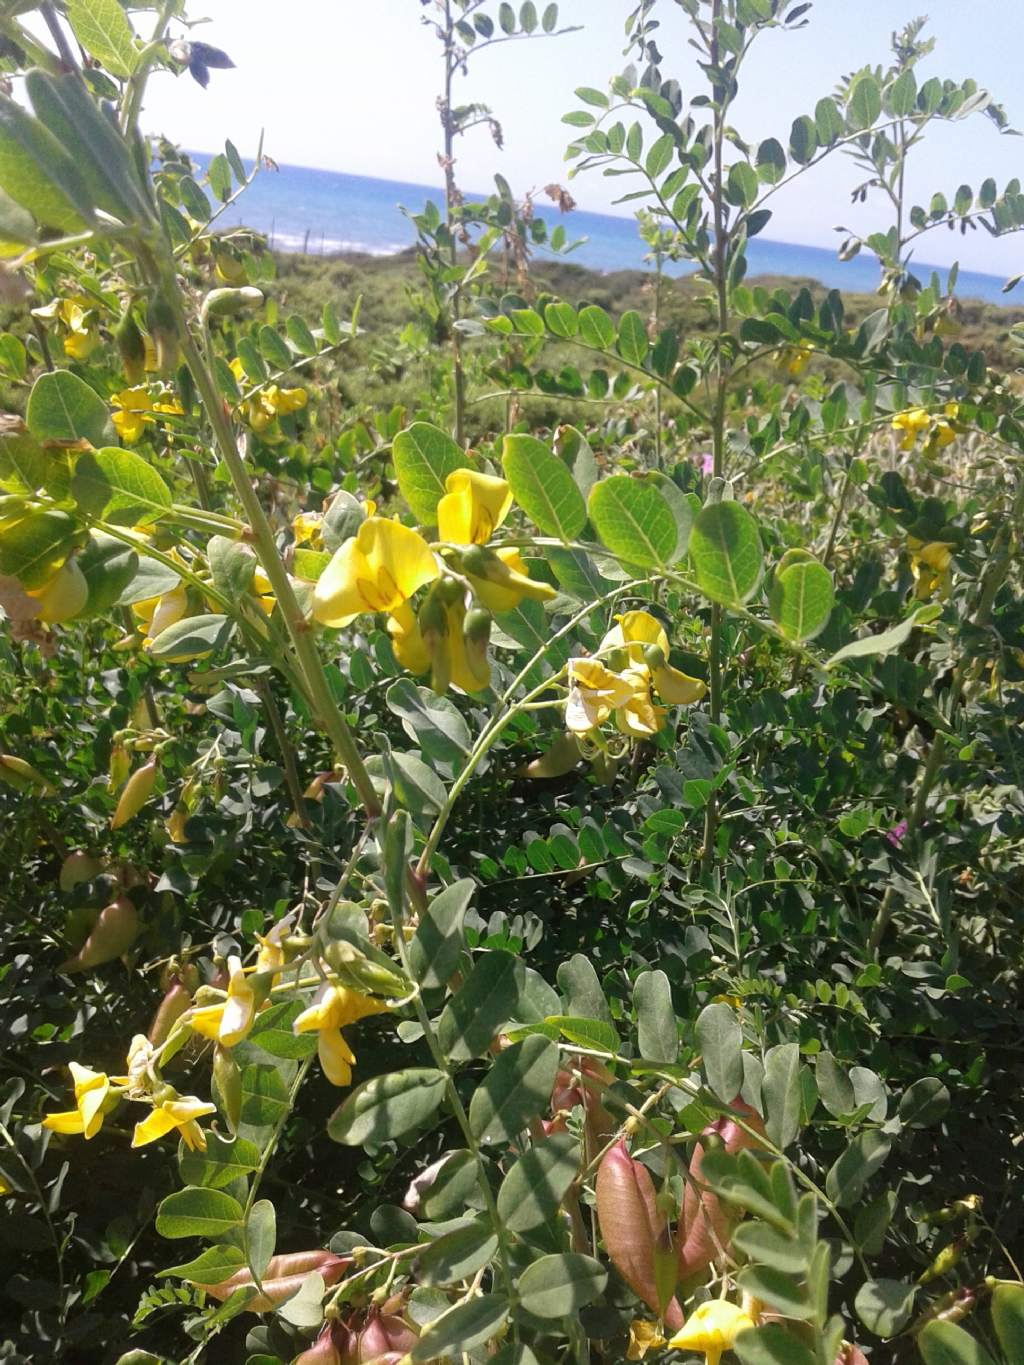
(328, 212)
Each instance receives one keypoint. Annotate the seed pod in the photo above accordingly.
(385, 1338)
(224, 302)
(851, 1355)
(16, 773)
(77, 867)
(282, 1278)
(630, 1225)
(114, 932)
(170, 1009)
(322, 1352)
(137, 791)
(559, 758)
(227, 1078)
(704, 1225)
(131, 345)
(161, 325)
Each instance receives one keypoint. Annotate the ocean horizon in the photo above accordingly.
(318, 212)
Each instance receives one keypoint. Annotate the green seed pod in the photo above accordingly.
(137, 791)
(160, 323)
(654, 656)
(131, 345)
(114, 932)
(220, 303)
(617, 659)
(227, 1081)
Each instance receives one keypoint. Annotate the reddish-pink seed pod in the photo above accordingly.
(630, 1225)
(384, 1339)
(704, 1225)
(322, 1352)
(282, 1278)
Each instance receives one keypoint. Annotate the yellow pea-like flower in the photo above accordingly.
(178, 1113)
(473, 507)
(712, 1328)
(336, 1008)
(377, 569)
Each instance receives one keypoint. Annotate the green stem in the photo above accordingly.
(299, 629)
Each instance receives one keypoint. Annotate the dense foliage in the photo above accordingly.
(513, 820)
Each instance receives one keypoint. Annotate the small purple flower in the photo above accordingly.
(895, 835)
(707, 463)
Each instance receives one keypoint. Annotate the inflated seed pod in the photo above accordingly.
(704, 1224)
(115, 930)
(630, 1225)
(282, 1278)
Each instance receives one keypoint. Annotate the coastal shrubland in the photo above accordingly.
(510, 778)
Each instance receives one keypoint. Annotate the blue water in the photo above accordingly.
(322, 212)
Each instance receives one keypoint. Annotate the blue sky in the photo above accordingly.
(351, 87)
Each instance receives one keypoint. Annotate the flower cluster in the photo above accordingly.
(938, 432)
(385, 564)
(134, 411)
(632, 662)
(262, 409)
(930, 563)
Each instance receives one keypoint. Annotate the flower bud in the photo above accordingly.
(224, 302)
(115, 930)
(161, 324)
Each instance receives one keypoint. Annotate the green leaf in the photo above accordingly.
(197, 1212)
(305, 1309)
(633, 520)
(272, 1032)
(543, 487)
(742, 185)
(536, 1185)
(864, 1155)
(558, 1286)
(924, 1103)
(801, 598)
(779, 1290)
(39, 174)
(192, 638)
(657, 1032)
(944, 1343)
(433, 722)
(631, 342)
(461, 1328)
(772, 1345)
(725, 546)
(275, 349)
(33, 549)
(885, 641)
(232, 565)
(1008, 1318)
(901, 95)
(264, 1096)
(561, 320)
(260, 1236)
(516, 1089)
(593, 1033)
(108, 566)
(103, 30)
(424, 456)
(224, 1160)
(63, 408)
(118, 486)
(782, 1093)
(865, 103)
(771, 161)
(596, 328)
(720, 1040)
(834, 1087)
(884, 1306)
(762, 1243)
(22, 464)
(482, 1006)
(659, 154)
(151, 579)
(210, 1267)
(387, 1106)
(457, 1255)
(439, 941)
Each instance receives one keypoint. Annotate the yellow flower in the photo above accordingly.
(473, 506)
(93, 1090)
(180, 1112)
(639, 718)
(285, 400)
(157, 613)
(336, 1008)
(307, 529)
(230, 1020)
(377, 569)
(263, 592)
(930, 564)
(711, 1328)
(643, 1337)
(81, 340)
(796, 359)
(910, 424)
(594, 693)
(407, 640)
(500, 581)
(131, 417)
(646, 643)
